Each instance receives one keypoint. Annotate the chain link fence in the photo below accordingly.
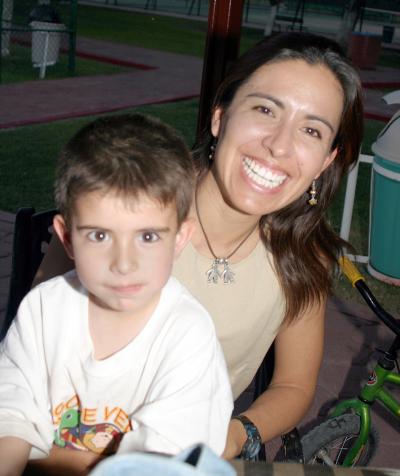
(37, 39)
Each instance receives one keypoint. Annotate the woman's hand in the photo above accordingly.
(298, 355)
(235, 440)
(62, 462)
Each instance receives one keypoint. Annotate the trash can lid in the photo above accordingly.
(387, 144)
(44, 12)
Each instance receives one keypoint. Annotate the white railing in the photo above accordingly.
(349, 203)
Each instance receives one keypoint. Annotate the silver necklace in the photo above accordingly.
(220, 268)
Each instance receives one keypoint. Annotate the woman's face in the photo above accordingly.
(276, 136)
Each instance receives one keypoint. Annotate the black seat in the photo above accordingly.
(32, 233)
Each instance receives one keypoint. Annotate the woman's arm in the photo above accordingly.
(63, 462)
(14, 454)
(298, 356)
(55, 262)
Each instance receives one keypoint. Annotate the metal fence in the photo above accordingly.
(37, 39)
(255, 12)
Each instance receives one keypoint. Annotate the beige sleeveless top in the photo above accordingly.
(247, 313)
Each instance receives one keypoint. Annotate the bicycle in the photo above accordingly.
(347, 437)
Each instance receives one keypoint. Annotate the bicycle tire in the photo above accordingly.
(335, 436)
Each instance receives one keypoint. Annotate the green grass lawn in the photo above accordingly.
(17, 67)
(27, 177)
(28, 154)
(164, 33)
(151, 31)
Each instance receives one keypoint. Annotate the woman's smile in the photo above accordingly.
(261, 174)
(276, 136)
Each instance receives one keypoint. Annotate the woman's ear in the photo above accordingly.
(216, 121)
(328, 160)
(183, 236)
(63, 234)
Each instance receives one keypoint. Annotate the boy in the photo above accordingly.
(115, 355)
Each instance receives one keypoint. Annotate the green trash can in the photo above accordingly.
(384, 236)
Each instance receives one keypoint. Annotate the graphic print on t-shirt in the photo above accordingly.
(96, 429)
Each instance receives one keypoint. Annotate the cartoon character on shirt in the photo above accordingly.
(101, 438)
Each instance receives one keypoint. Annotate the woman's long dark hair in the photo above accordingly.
(304, 247)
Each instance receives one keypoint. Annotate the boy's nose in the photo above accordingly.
(124, 259)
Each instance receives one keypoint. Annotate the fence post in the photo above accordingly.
(222, 47)
(72, 37)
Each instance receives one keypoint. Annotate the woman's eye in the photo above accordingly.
(313, 132)
(264, 110)
(149, 237)
(98, 236)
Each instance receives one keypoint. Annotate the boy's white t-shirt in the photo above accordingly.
(167, 389)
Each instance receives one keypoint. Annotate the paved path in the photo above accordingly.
(160, 77)
(352, 332)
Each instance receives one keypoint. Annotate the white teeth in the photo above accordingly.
(261, 175)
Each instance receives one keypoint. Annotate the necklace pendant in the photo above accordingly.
(213, 273)
(227, 273)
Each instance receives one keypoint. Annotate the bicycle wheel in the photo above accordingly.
(329, 442)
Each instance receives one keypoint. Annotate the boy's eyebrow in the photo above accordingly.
(280, 104)
(162, 229)
(91, 227)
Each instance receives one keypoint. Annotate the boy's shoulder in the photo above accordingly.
(69, 276)
(68, 282)
(184, 307)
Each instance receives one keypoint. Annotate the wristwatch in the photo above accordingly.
(252, 446)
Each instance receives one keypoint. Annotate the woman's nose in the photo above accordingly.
(279, 141)
(124, 258)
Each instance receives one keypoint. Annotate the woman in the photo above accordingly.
(285, 127)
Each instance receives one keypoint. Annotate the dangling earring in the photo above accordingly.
(212, 150)
(313, 194)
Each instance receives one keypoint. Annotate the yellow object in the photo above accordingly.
(350, 270)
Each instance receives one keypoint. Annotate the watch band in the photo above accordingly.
(252, 445)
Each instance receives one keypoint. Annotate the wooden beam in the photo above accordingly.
(222, 47)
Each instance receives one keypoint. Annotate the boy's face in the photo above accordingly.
(123, 252)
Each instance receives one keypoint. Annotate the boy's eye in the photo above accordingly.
(98, 236)
(149, 237)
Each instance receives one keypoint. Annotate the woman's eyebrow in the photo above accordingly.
(313, 117)
(281, 105)
(269, 97)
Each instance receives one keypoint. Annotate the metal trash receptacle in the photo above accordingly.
(384, 236)
(364, 49)
(47, 29)
(387, 33)
(46, 39)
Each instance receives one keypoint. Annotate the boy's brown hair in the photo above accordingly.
(127, 154)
